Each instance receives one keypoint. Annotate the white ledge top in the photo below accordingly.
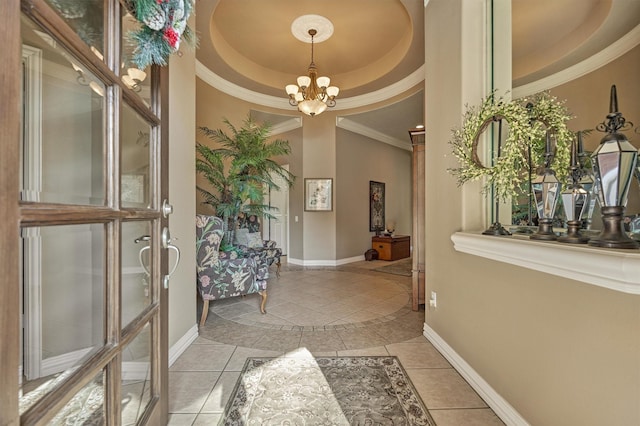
(617, 270)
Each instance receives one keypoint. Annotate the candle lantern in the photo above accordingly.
(587, 182)
(614, 163)
(575, 201)
(546, 191)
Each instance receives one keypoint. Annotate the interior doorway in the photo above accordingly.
(277, 228)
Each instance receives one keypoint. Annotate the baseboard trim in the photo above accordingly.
(350, 260)
(59, 363)
(337, 262)
(182, 344)
(498, 404)
(131, 370)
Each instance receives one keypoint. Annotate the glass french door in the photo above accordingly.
(83, 298)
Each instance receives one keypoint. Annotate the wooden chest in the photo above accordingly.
(392, 248)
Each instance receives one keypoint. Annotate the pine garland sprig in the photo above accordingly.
(163, 26)
(150, 48)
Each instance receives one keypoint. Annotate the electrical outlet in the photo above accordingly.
(433, 301)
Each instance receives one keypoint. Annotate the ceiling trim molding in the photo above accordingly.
(385, 93)
(352, 126)
(231, 89)
(609, 54)
(291, 124)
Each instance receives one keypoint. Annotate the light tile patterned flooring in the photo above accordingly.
(341, 311)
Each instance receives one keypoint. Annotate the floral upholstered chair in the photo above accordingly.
(221, 276)
(249, 239)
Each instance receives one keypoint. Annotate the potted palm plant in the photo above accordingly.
(239, 169)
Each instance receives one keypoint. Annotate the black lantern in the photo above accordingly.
(575, 201)
(614, 163)
(546, 191)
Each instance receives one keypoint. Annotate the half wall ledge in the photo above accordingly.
(617, 270)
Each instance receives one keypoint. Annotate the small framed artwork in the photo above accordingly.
(376, 206)
(318, 195)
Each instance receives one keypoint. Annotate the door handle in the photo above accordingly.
(143, 238)
(166, 243)
(165, 279)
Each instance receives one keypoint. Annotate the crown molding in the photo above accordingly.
(231, 89)
(385, 93)
(609, 54)
(352, 126)
(291, 124)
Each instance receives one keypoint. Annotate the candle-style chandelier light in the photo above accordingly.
(312, 94)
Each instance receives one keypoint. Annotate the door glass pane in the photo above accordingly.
(63, 124)
(63, 288)
(135, 180)
(134, 78)
(136, 262)
(136, 376)
(86, 17)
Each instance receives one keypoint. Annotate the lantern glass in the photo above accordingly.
(614, 162)
(546, 190)
(575, 201)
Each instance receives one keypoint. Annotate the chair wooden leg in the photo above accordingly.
(205, 312)
(278, 269)
(263, 293)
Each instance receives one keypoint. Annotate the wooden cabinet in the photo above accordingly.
(392, 248)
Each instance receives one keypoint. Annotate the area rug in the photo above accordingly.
(303, 390)
(401, 267)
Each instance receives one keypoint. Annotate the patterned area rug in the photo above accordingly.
(301, 390)
(401, 267)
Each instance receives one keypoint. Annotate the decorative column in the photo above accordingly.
(418, 204)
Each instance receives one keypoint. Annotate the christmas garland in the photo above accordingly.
(163, 27)
(527, 121)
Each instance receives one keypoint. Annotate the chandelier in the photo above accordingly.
(312, 94)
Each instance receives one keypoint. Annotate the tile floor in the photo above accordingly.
(333, 311)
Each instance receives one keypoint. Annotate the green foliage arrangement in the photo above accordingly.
(548, 113)
(163, 27)
(240, 169)
(505, 173)
(527, 121)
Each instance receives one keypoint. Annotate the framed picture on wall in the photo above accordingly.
(318, 195)
(376, 206)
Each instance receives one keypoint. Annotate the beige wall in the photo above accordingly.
(182, 300)
(319, 161)
(360, 160)
(559, 351)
